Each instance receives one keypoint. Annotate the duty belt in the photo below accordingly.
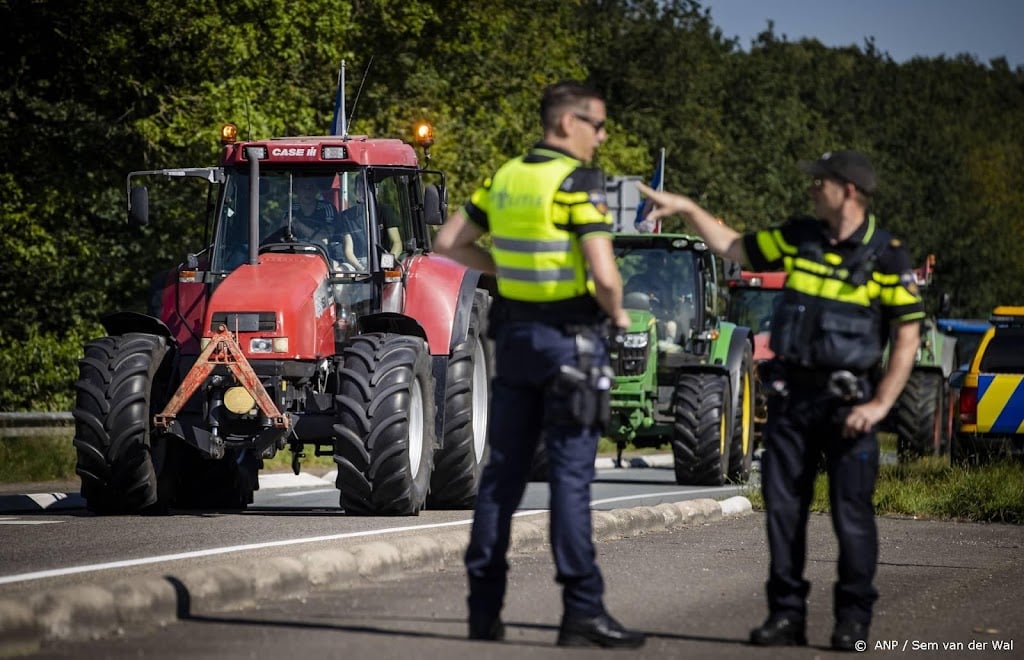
(842, 384)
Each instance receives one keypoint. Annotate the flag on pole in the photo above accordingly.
(658, 183)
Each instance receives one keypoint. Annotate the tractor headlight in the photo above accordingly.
(636, 340)
(268, 345)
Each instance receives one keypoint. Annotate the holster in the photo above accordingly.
(581, 395)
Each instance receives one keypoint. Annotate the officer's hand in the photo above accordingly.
(621, 320)
(863, 418)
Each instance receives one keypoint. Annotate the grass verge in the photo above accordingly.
(52, 458)
(37, 458)
(932, 488)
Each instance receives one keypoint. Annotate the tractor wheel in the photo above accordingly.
(119, 387)
(700, 437)
(920, 416)
(741, 449)
(463, 453)
(385, 425)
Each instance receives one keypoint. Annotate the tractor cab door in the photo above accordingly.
(399, 234)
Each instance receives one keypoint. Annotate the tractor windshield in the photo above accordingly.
(326, 209)
(752, 307)
(661, 280)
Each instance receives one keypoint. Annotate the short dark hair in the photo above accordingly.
(562, 96)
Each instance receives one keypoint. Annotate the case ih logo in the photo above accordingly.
(293, 152)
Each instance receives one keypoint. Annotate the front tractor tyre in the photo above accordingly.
(741, 448)
(121, 383)
(463, 453)
(384, 426)
(920, 416)
(701, 430)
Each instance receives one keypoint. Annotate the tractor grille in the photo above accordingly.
(244, 321)
(630, 361)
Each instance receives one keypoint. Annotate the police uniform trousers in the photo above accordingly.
(527, 357)
(802, 429)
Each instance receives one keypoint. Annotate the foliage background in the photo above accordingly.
(93, 89)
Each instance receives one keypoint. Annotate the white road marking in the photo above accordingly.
(88, 568)
(307, 492)
(15, 521)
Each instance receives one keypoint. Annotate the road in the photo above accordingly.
(69, 546)
(696, 590)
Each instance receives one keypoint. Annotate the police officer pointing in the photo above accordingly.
(849, 287)
(558, 284)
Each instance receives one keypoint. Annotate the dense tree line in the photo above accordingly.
(93, 89)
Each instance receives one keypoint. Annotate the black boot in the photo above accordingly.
(850, 636)
(601, 630)
(486, 628)
(779, 631)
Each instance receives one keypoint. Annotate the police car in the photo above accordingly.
(991, 406)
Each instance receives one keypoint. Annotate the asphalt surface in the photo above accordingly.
(948, 590)
(39, 496)
(690, 573)
(100, 610)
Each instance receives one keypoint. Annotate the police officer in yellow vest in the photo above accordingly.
(849, 287)
(558, 285)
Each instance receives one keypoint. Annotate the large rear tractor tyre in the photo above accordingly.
(741, 448)
(464, 451)
(920, 416)
(701, 437)
(385, 425)
(121, 383)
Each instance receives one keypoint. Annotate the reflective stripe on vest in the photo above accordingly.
(536, 260)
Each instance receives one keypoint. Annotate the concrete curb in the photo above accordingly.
(94, 611)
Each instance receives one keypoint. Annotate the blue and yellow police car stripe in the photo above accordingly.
(1001, 403)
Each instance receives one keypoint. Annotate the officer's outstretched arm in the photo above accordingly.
(597, 250)
(723, 240)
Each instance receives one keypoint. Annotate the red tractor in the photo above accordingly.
(316, 318)
(752, 298)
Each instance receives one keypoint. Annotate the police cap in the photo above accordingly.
(848, 166)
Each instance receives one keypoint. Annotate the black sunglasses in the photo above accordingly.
(819, 182)
(598, 126)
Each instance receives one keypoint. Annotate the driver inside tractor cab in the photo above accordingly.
(296, 209)
(312, 216)
(654, 284)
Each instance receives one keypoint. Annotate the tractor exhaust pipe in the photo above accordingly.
(254, 204)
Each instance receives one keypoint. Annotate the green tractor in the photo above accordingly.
(922, 417)
(683, 376)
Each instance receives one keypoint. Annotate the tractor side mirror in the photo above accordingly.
(435, 204)
(732, 270)
(945, 304)
(138, 206)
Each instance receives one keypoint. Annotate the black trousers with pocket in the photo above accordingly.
(804, 430)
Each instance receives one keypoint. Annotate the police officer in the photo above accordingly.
(849, 285)
(557, 285)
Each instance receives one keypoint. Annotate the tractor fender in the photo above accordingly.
(439, 296)
(948, 353)
(739, 338)
(122, 323)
